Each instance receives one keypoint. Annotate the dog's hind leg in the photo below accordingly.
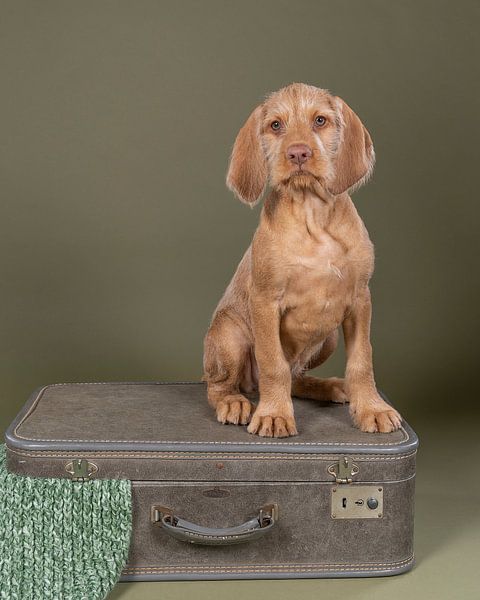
(226, 354)
(331, 389)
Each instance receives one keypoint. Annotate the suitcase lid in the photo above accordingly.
(164, 417)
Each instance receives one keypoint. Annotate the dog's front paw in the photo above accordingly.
(375, 416)
(272, 425)
(237, 412)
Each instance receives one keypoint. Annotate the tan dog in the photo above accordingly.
(305, 273)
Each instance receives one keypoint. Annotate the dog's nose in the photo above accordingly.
(299, 153)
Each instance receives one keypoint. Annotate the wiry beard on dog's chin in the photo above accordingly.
(299, 182)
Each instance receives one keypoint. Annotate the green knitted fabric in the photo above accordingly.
(60, 539)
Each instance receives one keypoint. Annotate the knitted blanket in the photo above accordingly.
(60, 539)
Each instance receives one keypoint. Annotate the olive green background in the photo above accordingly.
(118, 235)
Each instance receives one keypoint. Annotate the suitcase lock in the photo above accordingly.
(356, 501)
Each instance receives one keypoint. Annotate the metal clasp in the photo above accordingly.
(344, 470)
(81, 469)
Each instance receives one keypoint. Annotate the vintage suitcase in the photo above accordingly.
(211, 501)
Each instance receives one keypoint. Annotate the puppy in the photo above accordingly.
(305, 273)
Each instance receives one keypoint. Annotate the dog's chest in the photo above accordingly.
(323, 275)
(323, 257)
(323, 267)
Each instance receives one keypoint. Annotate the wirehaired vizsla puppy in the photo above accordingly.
(305, 273)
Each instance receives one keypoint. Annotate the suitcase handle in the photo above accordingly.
(197, 534)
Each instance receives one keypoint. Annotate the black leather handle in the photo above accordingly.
(197, 534)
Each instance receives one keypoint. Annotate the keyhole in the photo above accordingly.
(344, 503)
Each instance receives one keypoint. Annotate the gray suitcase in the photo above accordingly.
(211, 501)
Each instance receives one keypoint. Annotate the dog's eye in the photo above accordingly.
(320, 121)
(275, 125)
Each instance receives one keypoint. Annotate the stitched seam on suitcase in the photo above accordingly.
(195, 456)
(269, 568)
(271, 444)
(37, 399)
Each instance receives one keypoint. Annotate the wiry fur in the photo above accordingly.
(305, 273)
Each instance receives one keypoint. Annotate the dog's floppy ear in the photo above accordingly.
(355, 155)
(247, 172)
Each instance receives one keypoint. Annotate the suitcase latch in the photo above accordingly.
(81, 469)
(343, 470)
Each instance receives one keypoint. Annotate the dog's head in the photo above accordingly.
(300, 136)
